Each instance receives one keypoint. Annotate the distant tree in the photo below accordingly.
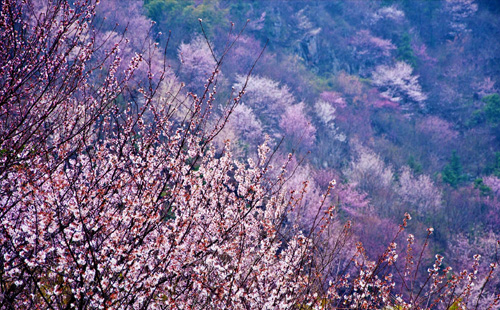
(485, 87)
(356, 204)
(388, 22)
(494, 168)
(398, 84)
(418, 193)
(437, 129)
(389, 12)
(244, 130)
(368, 173)
(493, 182)
(420, 51)
(181, 16)
(297, 127)
(484, 189)
(349, 84)
(371, 50)
(492, 109)
(268, 99)
(459, 11)
(489, 114)
(125, 15)
(197, 62)
(452, 173)
(325, 112)
(333, 98)
(405, 51)
(415, 166)
(243, 54)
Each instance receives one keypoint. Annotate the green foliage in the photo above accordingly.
(456, 305)
(476, 119)
(241, 10)
(165, 10)
(184, 14)
(492, 109)
(484, 189)
(494, 167)
(405, 51)
(452, 173)
(415, 165)
(490, 113)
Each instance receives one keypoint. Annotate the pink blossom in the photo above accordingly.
(366, 44)
(297, 125)
(437, 129)
(334, 98)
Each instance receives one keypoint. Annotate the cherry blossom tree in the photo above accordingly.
(398, 84)
(197, 62)
(297, 127)
(390, 13)
(326, 114)
(418, 193)
(245, 130)
(45, 98)
(459, 11)
(370, 50)
(369, 173)
(266, 97)
(102, 209)
(243, 53)
(437, 129)
(334, 98)
(350, 84)
(353, 202)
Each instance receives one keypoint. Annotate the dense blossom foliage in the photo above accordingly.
(197, 62)
(398, 84)
(297, 127)
(266, 97)
(418, 193)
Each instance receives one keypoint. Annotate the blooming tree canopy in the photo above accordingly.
(398, 84)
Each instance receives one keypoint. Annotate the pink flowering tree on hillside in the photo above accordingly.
(418, 193)
(369, 174)
(245, 130)
(370, 50)
(398, 84)
(297, 128)
(197, 62)
(458, 12)
(437, 129)
(436, 135)
(266, 97)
